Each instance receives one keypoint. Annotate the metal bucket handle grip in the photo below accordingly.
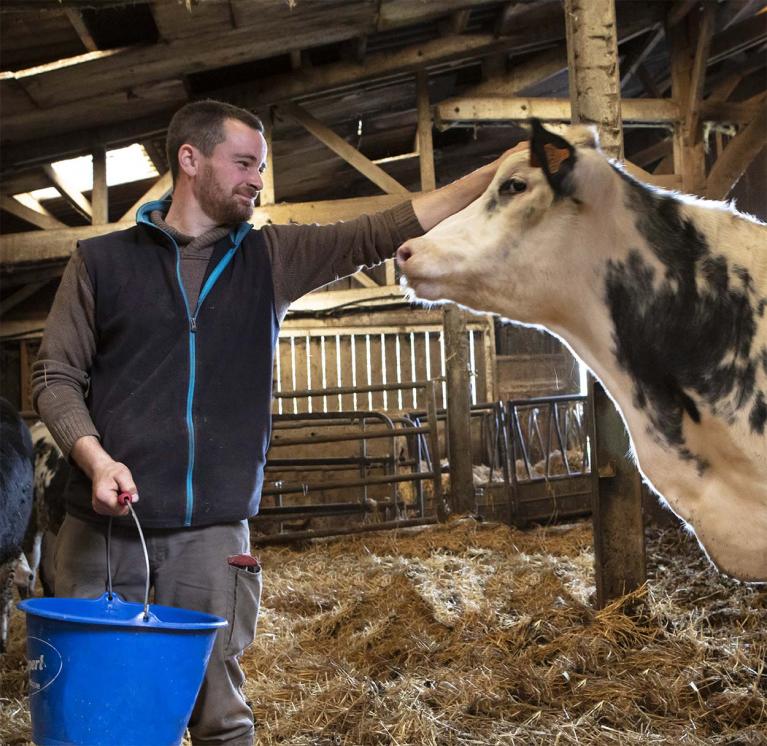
(124, 498)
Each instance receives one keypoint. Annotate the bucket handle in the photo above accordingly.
(124, 498)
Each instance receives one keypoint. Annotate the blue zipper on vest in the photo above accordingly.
(207, 287)
(237, 237)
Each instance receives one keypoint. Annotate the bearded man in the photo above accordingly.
(155, 378)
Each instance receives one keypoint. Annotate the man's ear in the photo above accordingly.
(188, 159)
(554, 155)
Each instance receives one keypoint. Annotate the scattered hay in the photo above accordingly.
(473, 633)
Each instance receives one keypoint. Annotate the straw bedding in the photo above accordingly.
(475, 633)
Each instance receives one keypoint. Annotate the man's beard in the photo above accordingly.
(223, 208)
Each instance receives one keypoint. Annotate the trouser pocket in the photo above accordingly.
(242, 608)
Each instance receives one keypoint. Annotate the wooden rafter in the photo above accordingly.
(33, 217)
(698, 76)
(342, 148)
(737, 156)
(71, 194)
(10, 301)
(158, 190)
(634, 61)
(679, 10)
(23, 248)
(76, 19)
(486, 108)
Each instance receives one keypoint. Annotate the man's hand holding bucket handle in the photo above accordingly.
(109, 478)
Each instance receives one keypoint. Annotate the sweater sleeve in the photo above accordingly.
(60, 377)
(306, 257)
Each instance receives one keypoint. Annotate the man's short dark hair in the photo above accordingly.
(201, 123)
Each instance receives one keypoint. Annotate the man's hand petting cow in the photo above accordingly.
(662, 295)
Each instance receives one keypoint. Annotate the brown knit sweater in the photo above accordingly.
(303, 258)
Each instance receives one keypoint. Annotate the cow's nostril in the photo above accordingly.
(403, 254)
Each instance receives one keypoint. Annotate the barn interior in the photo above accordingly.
(365, 103)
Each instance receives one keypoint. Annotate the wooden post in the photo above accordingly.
(458, 412)
(425, 147)
(592, 56)
(100, 194)
(689, 154)
(592, 50)
(267, 193)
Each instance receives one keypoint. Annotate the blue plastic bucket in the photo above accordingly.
(103, 672)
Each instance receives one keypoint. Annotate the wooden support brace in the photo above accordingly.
(737, 156)
(342, 148)
(158, 190)
(70, 193)
(33, 217)
(19, 295)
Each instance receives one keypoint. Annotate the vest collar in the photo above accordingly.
(143, 217)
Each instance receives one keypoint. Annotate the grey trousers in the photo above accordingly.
(188, 568)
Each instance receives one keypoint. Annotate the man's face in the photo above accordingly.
(230, 178)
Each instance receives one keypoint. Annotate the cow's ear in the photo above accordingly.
(554, 155)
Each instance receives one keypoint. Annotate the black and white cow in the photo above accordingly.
(51, 477)
(661, 294)
(16, 498)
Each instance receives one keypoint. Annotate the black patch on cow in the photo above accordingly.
(492, 205)
(685, 338)
(758, 415)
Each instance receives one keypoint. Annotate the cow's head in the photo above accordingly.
(503, 251)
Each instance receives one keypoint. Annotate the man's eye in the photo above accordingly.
(513, 185)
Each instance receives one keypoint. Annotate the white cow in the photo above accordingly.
(662, 295)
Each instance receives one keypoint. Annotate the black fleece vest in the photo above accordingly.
(182, 398)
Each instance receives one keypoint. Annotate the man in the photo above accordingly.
(155, 374)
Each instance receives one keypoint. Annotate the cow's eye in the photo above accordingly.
(512, 186)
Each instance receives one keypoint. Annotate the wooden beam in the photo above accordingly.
(23, 248)
(485, 108)
(365, 280)
(698, 75)
(737, 156)
(267, 193)
(457, 22)
(679, 10)
(652, 153)
(647, 81)
(635, 60)
(425, 145)
(689, 156)
(10, 301)
(522, 75)
(33, 217)
(68, 192)
(619, 552)
(462, 496)
(134, 66)
(381, 65)
(745, 35)
(342, 148)
(76, 19)
(100, 195)
(665, 181)
(158, 190)
(592, 53)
